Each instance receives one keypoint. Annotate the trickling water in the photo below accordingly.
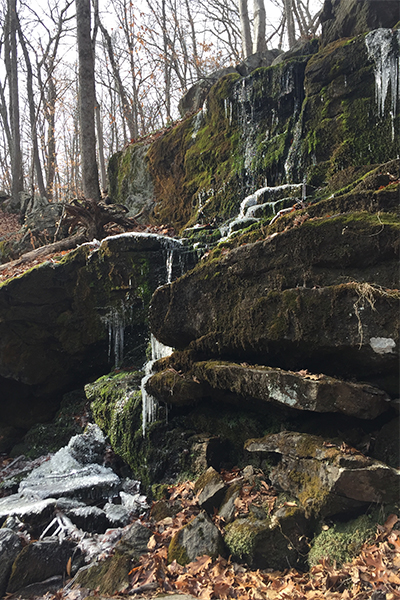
(383, 48)
(149, 403)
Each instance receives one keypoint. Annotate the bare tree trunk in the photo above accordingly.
(245, 27)
(12, 72)
(259, 26)
(100, 142)
(290, 27)
(130, 120)
(90, 176)
(51, 138)
(32, 115)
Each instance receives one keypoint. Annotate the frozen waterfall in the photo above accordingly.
(150, 404)
(383, 47)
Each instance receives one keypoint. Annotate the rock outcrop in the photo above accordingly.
(71, 319)
(347, 18)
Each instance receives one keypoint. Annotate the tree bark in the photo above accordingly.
(259, 26)
(87, 101)
(128, 113)
(32, 115)
(100, 141)
(245, 28)
(290, 27)
(11, 61)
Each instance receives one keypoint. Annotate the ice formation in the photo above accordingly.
(149, 404)
(383, 47)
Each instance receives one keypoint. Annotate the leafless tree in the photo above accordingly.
(87, 101)
(11, 64)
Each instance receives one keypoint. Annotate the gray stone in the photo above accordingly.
(39, 561)
(228, 507)
(10, 547)
(212, 489)
(88, 447)
(348, 18)
(328, 477)
(257, 60)
(197, 538)
(64, 476)
(302, 390)
(35, 514)
(194, 98)
(89, 518)
(134, 541)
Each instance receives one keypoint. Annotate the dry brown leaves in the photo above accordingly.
(15, 271)
(376, 568)
(9, 225)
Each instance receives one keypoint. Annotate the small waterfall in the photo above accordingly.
(118, 317)
(150, 404)
(383, 47)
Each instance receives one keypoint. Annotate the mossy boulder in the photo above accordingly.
(192, 437)
(322, 329)
(275, 543)
(327, 476)
(66, 321)
(309, 116)
(109, 577)
(341, 542)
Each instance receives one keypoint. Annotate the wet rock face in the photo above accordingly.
(347, 18)
(225, 310)
(66, 321)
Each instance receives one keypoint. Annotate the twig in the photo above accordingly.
(144, 588)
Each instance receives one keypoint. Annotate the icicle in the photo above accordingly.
(383, 48)
(116, 322)
(169, 263)
(149, 403)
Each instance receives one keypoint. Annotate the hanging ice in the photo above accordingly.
(116, 320)
(150, 404)
(383, 47)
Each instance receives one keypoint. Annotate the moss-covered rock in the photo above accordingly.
(108, 577)
(342, 541)
(231, 315)
(276, 543)
(67, 321)
(308, 116)
(327, 476)
(301, 391)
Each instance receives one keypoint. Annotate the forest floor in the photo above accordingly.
(372, 575)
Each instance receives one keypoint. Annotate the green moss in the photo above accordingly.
(107, 577)
(312, 493)
(176, 551)
(241, 537)
(341, 542)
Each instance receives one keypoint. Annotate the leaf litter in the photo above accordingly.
(374, 573)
